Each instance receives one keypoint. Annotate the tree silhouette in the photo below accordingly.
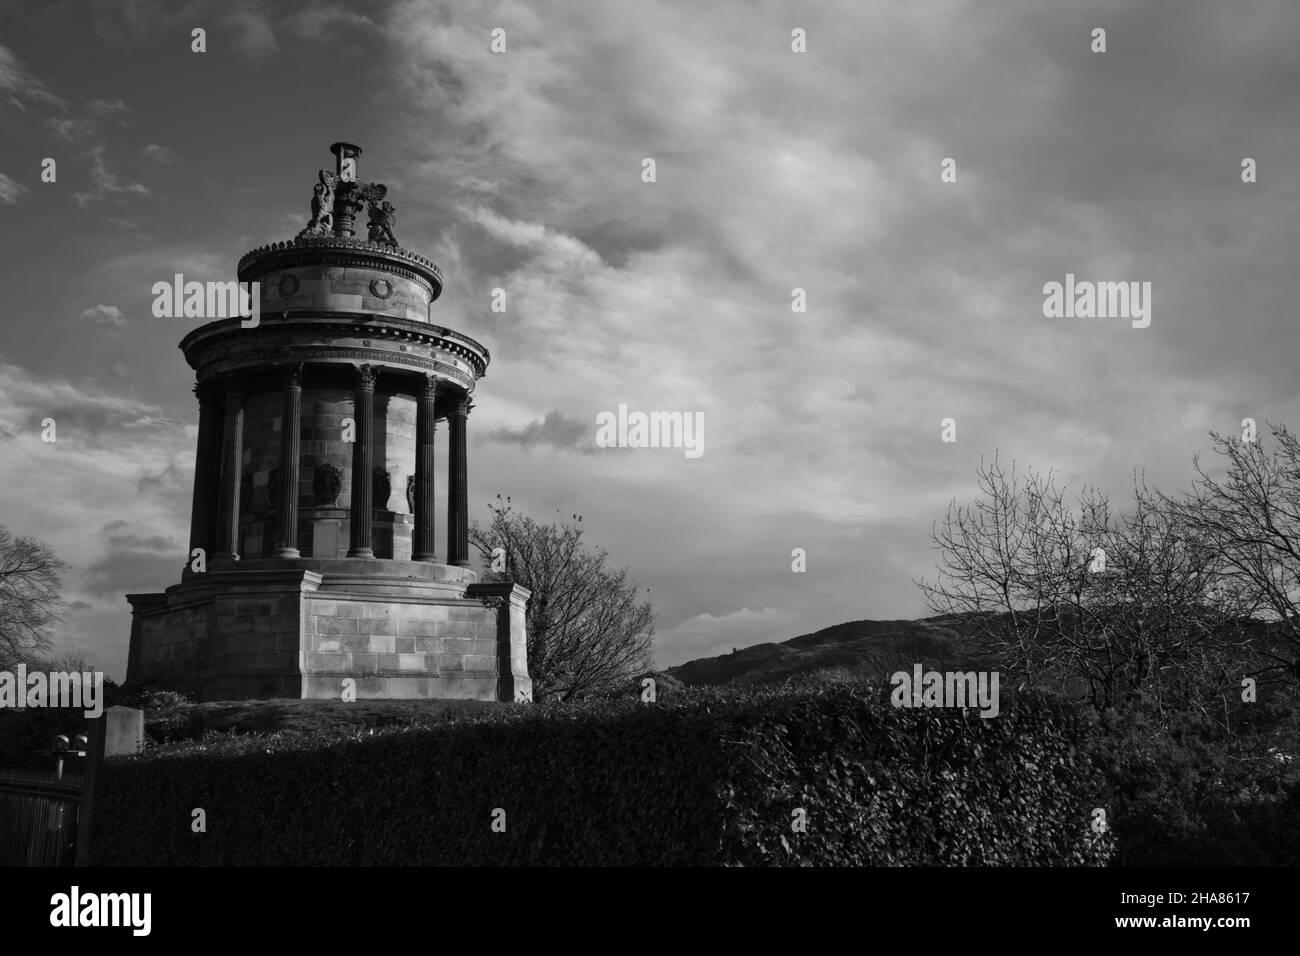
(587, 630)
(29, 597)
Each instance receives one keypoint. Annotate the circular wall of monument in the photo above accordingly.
(334, 288)
(325, 472)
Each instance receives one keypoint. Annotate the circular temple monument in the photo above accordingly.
(314, 568)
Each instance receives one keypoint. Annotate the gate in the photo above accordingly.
(38, 818)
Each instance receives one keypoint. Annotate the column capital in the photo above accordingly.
(293, 375)
(428, 384)
(461, 406)
(207, 391)
(365, 376)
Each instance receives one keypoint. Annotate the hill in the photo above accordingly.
(873, 649)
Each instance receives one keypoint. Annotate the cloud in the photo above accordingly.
(707, 635)
(77, 128)
(253, 35)
(10, 191)
(106, 183)
(107, 108)
(71, 128)
(114, 454)
(314, 22)
(554, 431)
(104, 315)
(173, 476)
(160, 154)
(21, 85)
(93, 419)
(132, 561)
(775, 171)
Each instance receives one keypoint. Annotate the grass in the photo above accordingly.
(316, 718)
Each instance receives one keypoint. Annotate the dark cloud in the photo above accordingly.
(556, 430)
(133, 560)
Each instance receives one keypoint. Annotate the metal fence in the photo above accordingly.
(38, 817)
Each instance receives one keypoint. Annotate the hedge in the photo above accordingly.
(705, 778)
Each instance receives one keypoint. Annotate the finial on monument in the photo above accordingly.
(345, 161)
(334, 189)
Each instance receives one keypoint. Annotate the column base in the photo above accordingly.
(425, 556)
(361, 553)
(286, 553)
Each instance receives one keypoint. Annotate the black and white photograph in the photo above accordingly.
(476, 437)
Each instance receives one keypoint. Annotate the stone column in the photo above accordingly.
(290, 451)
(457, 484)
(422, 545)
(360, 521)
(207, 471)
(232, 451)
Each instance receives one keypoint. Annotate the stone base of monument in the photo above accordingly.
(320, 627)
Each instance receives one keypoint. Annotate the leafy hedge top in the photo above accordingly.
(706, 777)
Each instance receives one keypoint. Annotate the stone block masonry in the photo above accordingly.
(276, 632)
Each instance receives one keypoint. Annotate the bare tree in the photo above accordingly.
(1251, 516)
(586, 628)
(1076, 597)
(29, 597)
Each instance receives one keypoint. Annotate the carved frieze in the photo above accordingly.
(397, 361)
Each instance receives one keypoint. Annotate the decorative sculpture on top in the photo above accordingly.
(338, 198)
(382, 217)
(322, 206)
(349, 197)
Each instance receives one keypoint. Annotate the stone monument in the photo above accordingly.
(307, 576)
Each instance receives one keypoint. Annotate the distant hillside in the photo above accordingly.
(863, 648)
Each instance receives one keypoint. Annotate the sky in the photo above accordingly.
(775, 170)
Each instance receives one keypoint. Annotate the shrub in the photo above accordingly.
(1183, 791)
(168, 715)
(704, 778)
